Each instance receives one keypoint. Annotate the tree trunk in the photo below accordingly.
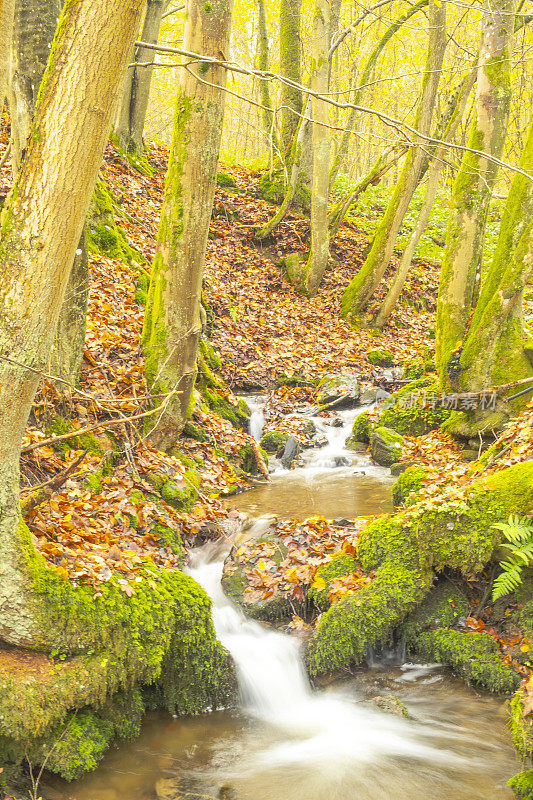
(7, 11)
(367, 280)
(290, 66)
(493, 352)
(33, 30)
(69, 341)
(318, 257)
(41, 227)
(473, 184)
(133, 104)
(269, 121)
(172, 325)
(351, 122)
(391, 299)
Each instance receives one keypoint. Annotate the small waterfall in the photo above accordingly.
(317, 726)
(257, 418)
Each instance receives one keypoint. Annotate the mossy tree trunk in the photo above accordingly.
(40, 229)
(7, 11)
(172, 325)
(318, 257)
(437, 160)
(494, 348)
(290, 46)
(361, 288)
(131, 111)
(473, 185)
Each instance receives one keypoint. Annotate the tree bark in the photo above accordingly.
(473, 185)
(133, 104)
(172, 325)
(392, 297)
(269, 121)
(367, 280)
(33, 31)
(41, 227)
(290, 66)
(318, 257)
(7, 12)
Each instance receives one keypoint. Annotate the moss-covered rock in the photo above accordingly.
(474, 656)
(521, 727)
(361, 429)
(380, 357)
(407, 486)
(272, 189)
(412, 412)
(404, 551)
(249, 459)
(391, 704)
(522, 785)
(339, 566)
(386, 446)
(215, 392)
(340, 388)
(274, 442)
(441, 608)
(226, 181)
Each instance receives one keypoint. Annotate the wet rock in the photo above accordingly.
(368, 396)
(341, 389)
(399, 467)
(274, 442)
(386, 446)
(390, 704)
(179, 788)
(292, 449)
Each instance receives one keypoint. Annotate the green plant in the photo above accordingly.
(519, 535)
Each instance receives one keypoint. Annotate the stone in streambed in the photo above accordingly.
(386, 446)
(292, 449)
(390, 704)
(341, 388)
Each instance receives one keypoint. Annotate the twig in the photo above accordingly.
(50, 487)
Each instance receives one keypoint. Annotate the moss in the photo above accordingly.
(194, 432)
(361, 428)
(292, 379)
(181, 496)
(226, 181)
(215, 392)
(274, 441)
(412, 413)
(474, 656)
(522, 785)
(408, 484)
(380, 357)
(249, 460)
(94, 482)
(235, 582)
(441, 608)
(141, 297)
(339, 566)
(386, 446)
(272, 189)
(404, 550)
(104, 236)
(86, 441)
(521, 727)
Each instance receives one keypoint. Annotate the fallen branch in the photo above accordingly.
(47, 489)
(259, 458)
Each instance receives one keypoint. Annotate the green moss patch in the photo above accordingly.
(339, 566)
(407, 486)
(380, 357)
(412, 412)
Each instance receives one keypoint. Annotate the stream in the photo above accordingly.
(288, 741)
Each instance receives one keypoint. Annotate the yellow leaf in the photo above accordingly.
(261, 565)
(319, 584)
(525, 648)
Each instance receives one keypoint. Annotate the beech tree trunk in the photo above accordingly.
(400, 276)
(361, 288)
(7, 11)
(133, 104)
(473, 185)
(41, 227)
(290, 46)
(318, 257)
(33, 31)
(269, 122)
(172, 325)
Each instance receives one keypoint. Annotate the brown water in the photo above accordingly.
(474, 760)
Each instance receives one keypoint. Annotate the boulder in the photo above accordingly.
(391, 704)
(341, 389)
(273, 442)
(386, 446)
(380, 357)
(291, 451)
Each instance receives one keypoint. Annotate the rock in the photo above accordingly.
(390, 704)
(368, 396)
(405, 490)
(292, 448)
(380, 357)
(274, 442)
(341, 388)
(386, 446)
(469, 454)
(399, 467)
(191, 789)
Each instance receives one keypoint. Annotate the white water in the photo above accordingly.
(315, 728)
(257, 417)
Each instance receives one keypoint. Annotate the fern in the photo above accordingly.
(519, 535)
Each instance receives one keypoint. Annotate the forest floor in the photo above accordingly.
(264, 331)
